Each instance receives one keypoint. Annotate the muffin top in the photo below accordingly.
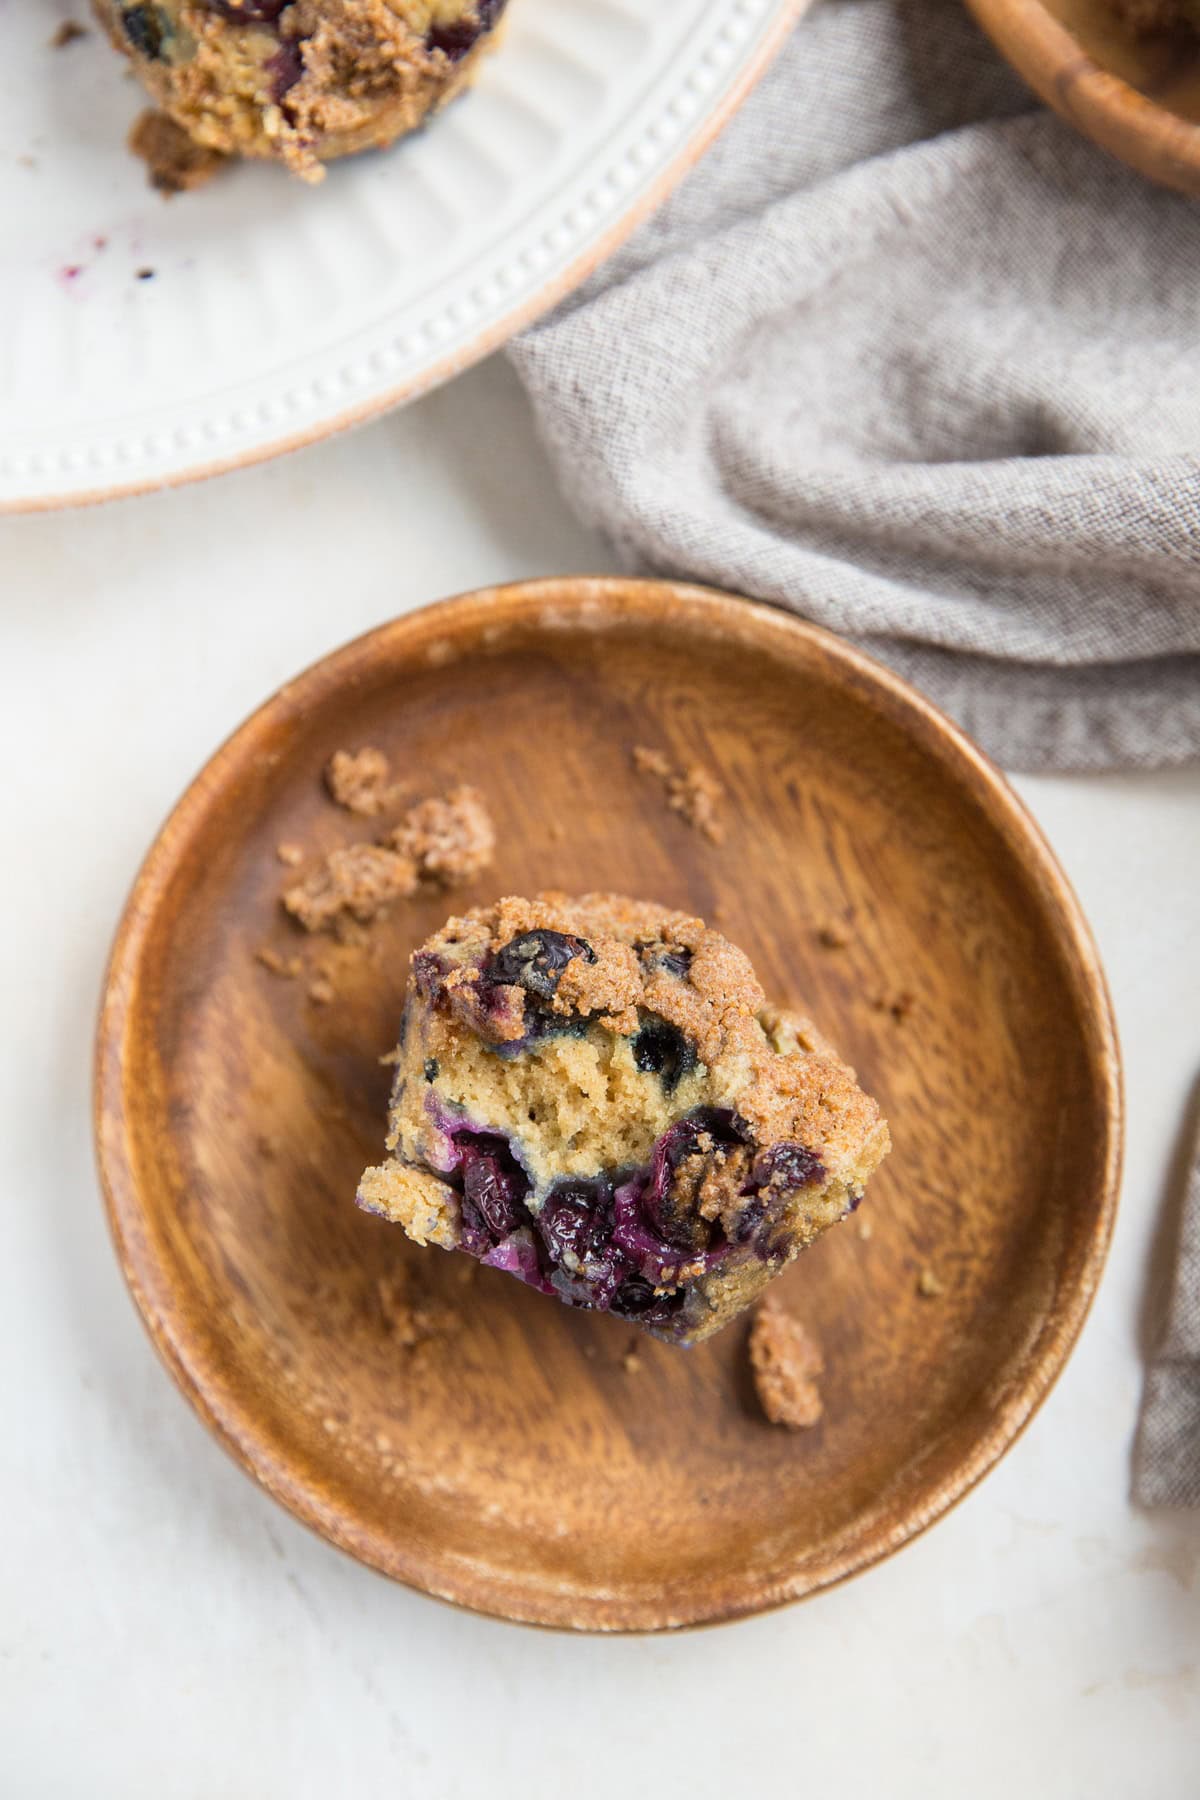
(521, 969)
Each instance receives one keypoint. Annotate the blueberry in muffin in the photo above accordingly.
(594, 1095)
(300, 81)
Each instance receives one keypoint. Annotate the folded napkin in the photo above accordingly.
(1166, 1465)
(907, 355)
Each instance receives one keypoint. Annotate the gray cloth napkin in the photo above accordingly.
(907, 355)
(1166, 1467)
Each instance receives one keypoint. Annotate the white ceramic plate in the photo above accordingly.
(277, 313)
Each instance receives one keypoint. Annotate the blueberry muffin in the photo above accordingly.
(300, 81)
(594, 1095)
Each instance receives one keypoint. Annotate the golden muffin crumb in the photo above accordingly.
(691, 790)
(786, 1363)
(175, 162)
(359, 780)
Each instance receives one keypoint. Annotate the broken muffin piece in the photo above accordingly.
(594, 1095)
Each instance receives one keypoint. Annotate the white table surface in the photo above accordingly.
(165, 1629)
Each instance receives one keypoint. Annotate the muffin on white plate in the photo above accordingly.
(300, 81)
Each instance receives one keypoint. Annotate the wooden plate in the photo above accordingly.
(1137, 97)
(513, 1462)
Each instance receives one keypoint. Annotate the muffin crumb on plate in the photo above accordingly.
(786, 1363)
(175, 163)
(443, 841)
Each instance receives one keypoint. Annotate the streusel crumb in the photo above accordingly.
(442, 841)
(288, 967)
(362, 880)
(359, 780)
(786, 1364)
(175, 162)
(449, 840)
(409, 1319)
(691, 791)
(651, 762)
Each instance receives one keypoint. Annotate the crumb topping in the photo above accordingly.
(450, 840)
(362, 880)
(711, 1182)
(175, 163)
(409, 1318)
(286, 966)
(359, 781)
(787, 1082)
(691, 790)
(443, 841)
(629, 969)
(786, 1364)
(651, 762)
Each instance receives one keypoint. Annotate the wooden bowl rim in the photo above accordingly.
(576, 602)
(1113, 112)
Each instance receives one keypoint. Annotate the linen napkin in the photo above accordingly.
(1166, 1467)
(906, 354)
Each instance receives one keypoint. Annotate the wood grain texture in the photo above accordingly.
(514, 1464)
(1138, 97)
